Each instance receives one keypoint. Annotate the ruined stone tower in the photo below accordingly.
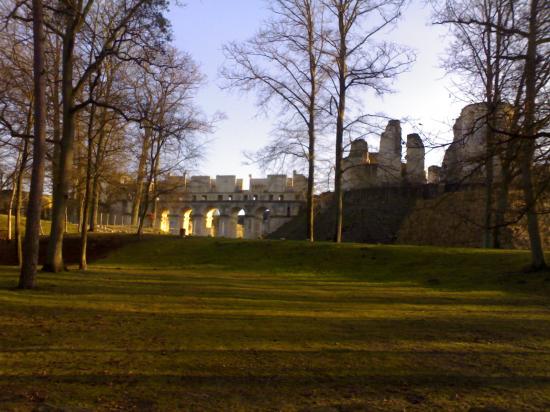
(389, 156)
(415, 160)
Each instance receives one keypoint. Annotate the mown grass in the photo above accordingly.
(204, 324)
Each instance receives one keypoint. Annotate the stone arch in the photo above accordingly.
(168, 221)
(235, 222)
(186, 221)
(164, 221)
(212, 222)
(257, 222)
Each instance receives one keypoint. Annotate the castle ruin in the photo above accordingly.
(364, 169)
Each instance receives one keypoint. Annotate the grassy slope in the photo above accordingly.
(201, 324)
(46, 226)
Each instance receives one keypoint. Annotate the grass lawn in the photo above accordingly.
(204, 324)
(46, 226)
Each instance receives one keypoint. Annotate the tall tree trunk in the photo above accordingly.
(54, 256)
(528, 146)
(13, 194)
(19, 201)
(136, 205)
(94, 203)
(34, 206)
(86, 201)
(342, 73)
(56, 117)
(143, 208)
(502, 206)
(311, 183)
(489, 179)
(311, 129)
(151, 178)
(10, 212)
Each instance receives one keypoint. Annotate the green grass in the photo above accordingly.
(46, 226)
(198, 324)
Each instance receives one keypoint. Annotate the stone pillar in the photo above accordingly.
(231, 226)
(174, 224)
(434, 174)
(389, 156)
(250, 227)
(224, 226)
(415, 160)
(199, 227)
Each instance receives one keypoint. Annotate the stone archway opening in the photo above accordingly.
(187, 222)
(234, 223)
(240, 224)
(164, 226)
(212, 223)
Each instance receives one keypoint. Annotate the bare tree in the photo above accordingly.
(537, 36)
(32, 228)
(125, 22)
(282, 63)
(171, 121)
(358, 62)
(521, 37)
(16, 111)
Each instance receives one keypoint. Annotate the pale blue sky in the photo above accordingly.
(203, 26)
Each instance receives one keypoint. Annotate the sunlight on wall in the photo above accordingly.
(211, 222)
(187, 223)
(165, 222)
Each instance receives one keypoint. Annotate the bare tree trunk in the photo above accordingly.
(311, 185)
(528, 146)
(140, 177)
(155, 156)
(501, 207)
(10, 212)
(489, 182)
(144, 206)
(56, 117)
(311, 126)
(342, 72)
(94, 203)
(85, 214)
(34, 207)
(54, 256)
(12, 196)
(19, 201)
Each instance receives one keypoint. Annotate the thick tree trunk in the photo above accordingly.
(528, 143)
(145, 205)
(34, 207)
(136, 205)
(151, 179)
(54, 256)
